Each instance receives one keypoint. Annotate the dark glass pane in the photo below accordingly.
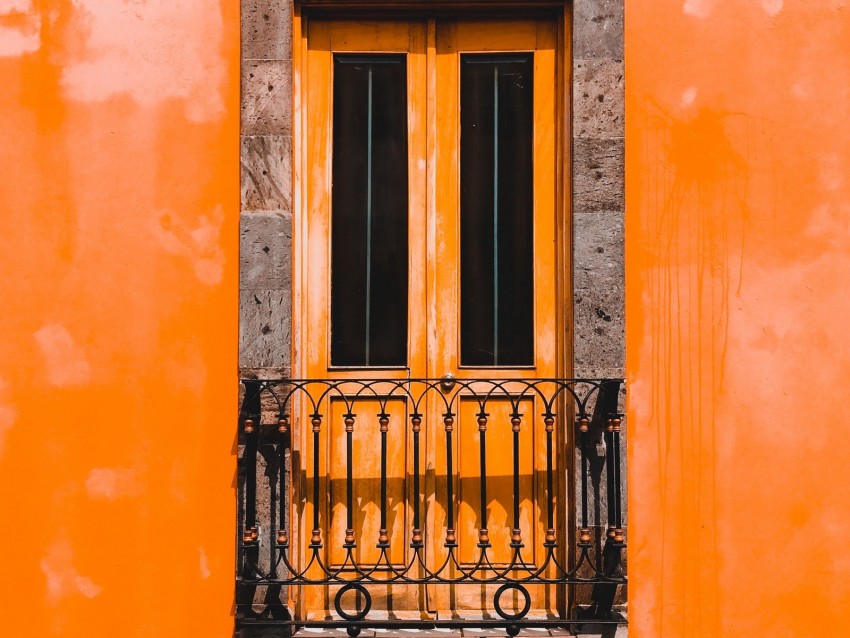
(496, 182)
(369, 211)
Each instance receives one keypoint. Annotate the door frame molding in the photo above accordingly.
(431, 8)
(303, 10)
(563, 154)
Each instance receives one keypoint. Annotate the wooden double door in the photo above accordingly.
(428, 240)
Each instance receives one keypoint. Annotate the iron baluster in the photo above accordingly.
(516, 533)
(483, 532)
(583, 426)
(616, 423)
(611, 476)
(283, 447)
(549, 422)
(316, 540)
(383, 539)
(349, 481)
(416, 538)
(451, 539)
(251, 429)
(250, 534)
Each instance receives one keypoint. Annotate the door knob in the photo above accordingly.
(447, 382)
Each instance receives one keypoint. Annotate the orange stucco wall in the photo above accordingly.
(738, 258)
(118, 255)
(118, 279)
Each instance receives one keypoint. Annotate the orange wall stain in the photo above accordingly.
(119, 189)
(738, 354)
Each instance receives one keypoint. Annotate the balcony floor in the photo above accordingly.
(588, 631)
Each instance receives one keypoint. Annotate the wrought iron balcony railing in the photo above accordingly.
(307, 544)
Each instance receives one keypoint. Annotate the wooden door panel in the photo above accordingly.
(499, 484)
(366, 481)
(452, 41)
(314, 245)
(366, 501)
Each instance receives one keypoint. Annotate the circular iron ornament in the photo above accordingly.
(498, 595)
(367, 605)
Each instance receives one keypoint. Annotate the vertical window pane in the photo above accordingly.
(369, 211)
(496, 181)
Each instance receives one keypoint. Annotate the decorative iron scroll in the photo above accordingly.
(273, 409)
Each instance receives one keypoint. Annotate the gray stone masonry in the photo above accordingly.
(265, 296)
(598, 188)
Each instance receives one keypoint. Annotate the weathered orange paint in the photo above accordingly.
(738, 253)
(118, 261)
(118, 254)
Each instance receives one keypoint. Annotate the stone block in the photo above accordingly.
(599, 348)
(266, 172)
(598, 169)
(598, 29)
(266, 29)
(265, 318)
(266, 97)
(265, 251)
(598, 243)
(264, 373)
(598, 110)
(599, 303)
